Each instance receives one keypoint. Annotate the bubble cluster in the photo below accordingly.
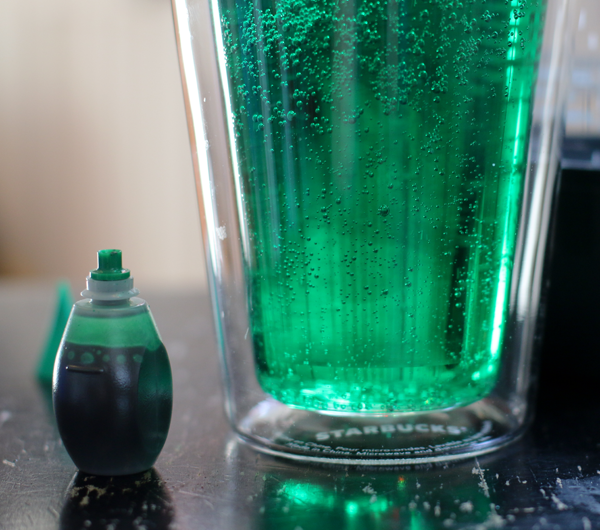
(382, 150)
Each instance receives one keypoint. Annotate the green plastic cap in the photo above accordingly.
(109, 267)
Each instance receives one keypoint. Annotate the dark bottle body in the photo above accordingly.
(112, 389)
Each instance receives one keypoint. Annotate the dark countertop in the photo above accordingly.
(206, 479)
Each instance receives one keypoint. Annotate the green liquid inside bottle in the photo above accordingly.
(380, 150)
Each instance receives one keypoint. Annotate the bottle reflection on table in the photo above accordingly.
(132, 501)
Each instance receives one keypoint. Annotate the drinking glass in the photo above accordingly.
(375, 181)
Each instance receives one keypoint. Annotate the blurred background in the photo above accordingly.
(94, 151)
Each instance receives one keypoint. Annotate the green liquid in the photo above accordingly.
(380, 150)
(113, 405)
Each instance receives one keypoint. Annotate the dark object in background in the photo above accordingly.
(570, 355)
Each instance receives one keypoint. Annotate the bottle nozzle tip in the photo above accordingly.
(110, 266)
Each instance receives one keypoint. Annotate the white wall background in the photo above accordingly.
(583, 112)
(94, 151)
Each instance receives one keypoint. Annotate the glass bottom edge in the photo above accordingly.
(397, 439)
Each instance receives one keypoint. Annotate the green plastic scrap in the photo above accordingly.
(64, 302)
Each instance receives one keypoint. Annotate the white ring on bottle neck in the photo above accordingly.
(109, 290)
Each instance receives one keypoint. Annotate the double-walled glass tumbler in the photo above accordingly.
(375, 180)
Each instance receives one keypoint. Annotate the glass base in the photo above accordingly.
(381, 439)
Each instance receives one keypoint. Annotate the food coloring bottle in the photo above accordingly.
(112, 388)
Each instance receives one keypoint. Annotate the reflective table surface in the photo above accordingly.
(206, 479)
